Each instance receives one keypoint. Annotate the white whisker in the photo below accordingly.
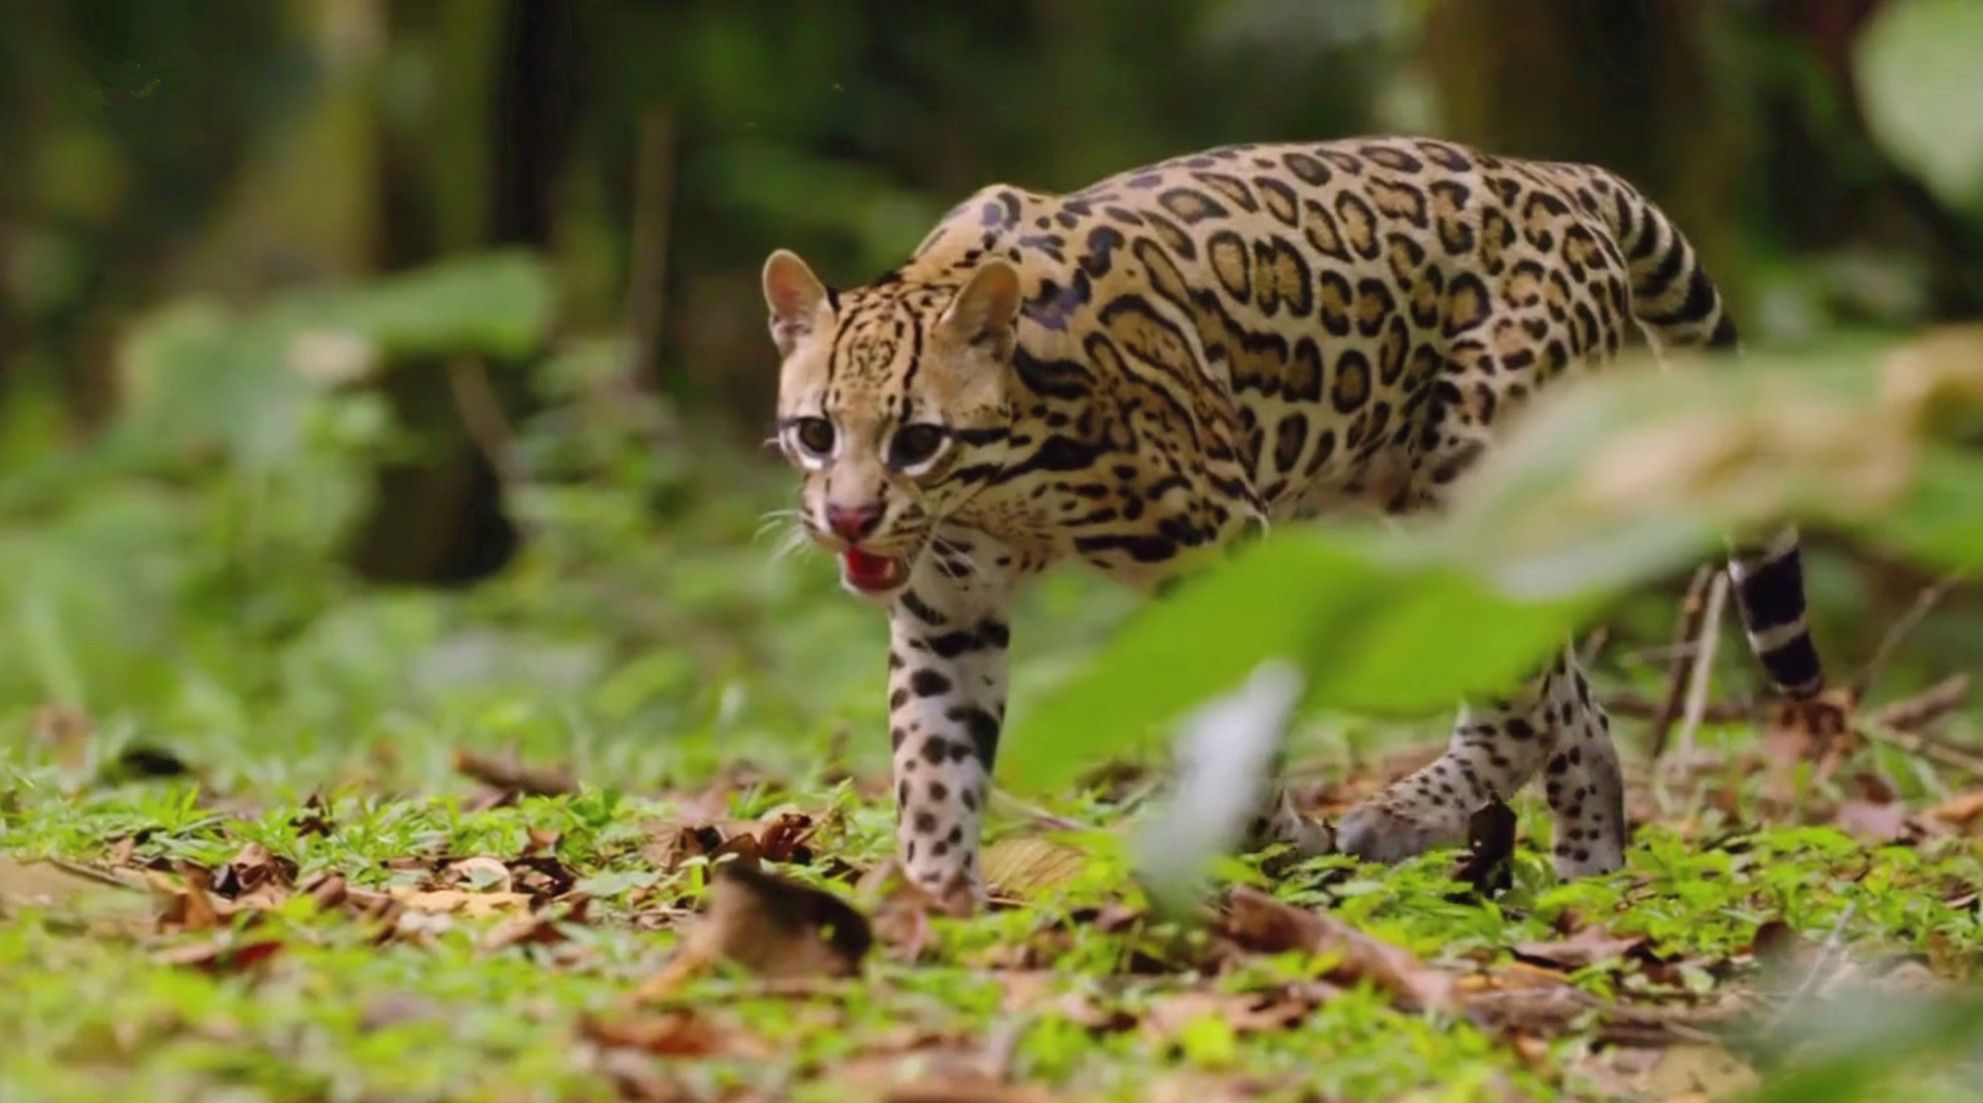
(773, 519)
(792, 543)
(949, 550)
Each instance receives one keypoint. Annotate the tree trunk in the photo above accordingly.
(443, 520)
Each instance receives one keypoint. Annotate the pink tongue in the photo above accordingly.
(868, 569)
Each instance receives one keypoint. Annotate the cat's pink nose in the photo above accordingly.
(853, 523)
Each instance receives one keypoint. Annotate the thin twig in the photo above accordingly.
(1594, 644)
(1001, 1047)
(1683, 650)
(1699, 677)
(1914, 743)
(92, 873)
(1012, 805)
(482, 415)
(1898, 630)
(1638, 706)
(1658, 653)
(513, 776)
(1924, 708)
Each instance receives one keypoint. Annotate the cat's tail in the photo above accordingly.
(1672, 296)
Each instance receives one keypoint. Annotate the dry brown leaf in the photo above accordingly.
(1873, 821)
(542, 840)
(1030, 866)
(456, 901)
(1168, 1017)
(328, 890)
(513, 776)
(775, 928)
(1960, 810)
(543, 928)
(1586, 947)
(963, 1088)
(1701, 1072)
(520, 930)
(255, 878)
(485, 873)
(924, 1068)
(221, 955)
(676, 1033)
(671, 842)
(1043, 992)
(1257, 921)
(639, 1078)
(394, 1008)
(543, 876)
(189, 903)
(43, 886)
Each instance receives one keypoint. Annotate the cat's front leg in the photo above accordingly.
(948, 635)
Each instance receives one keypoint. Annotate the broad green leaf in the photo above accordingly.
(1175, 653)
(496, 304)
(1442, 635)
(1374, 623)
(1920, 83)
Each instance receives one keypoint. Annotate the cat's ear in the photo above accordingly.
(985, 310)
(798, 301)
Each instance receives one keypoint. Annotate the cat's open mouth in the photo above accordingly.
(871, 575)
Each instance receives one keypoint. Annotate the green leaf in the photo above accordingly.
(496, 304)
(1376, 624)
(1172, 654)
(1920, 85)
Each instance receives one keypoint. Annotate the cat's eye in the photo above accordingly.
(914, 445)
(815, 436)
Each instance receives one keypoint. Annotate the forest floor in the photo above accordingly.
(522, 934)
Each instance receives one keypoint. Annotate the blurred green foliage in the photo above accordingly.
(1917, 68)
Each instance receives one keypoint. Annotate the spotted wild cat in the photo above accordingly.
(1131, 374)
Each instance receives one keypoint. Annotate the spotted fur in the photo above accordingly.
(1134, 373)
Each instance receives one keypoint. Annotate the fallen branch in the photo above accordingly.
(1911, 714)
(482, 415)
(1914, 743)
(1010, 805)
(1693, 608)
(512, 776)
(1258, 922)
(1638, 706)
(1697, 678)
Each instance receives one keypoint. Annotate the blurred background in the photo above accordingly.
(371, 369)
